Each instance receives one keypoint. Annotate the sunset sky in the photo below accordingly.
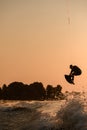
(39, 39)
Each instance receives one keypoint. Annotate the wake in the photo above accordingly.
(73, 116)
(68, 114)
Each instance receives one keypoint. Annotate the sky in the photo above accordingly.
(39, 39)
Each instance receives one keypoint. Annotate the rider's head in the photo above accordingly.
(71, 66)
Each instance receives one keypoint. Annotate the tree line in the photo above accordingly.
(34, 91)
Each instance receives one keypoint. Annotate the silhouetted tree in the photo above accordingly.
(58, 90)
(53, 92)
(36, 91)
(4, 92)
(20, 91)
(0, 93)
(49, 92)
(15, 90)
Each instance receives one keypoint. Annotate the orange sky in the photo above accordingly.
(40, 39)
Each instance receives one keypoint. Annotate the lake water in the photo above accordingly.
(68, 114)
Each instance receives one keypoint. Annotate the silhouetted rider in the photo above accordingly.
(75, 71)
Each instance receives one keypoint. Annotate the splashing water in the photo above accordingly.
(73, 116)
(69, 114)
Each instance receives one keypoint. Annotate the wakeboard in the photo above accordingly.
(68, 79)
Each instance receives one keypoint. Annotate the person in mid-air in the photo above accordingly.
(75, 71)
